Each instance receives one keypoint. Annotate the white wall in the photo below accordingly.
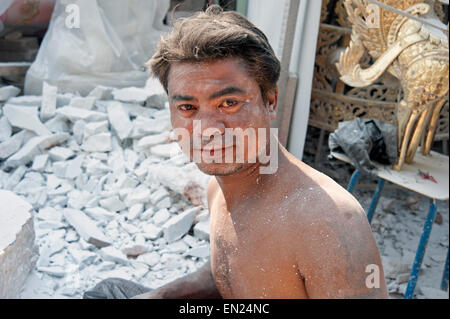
(270, 16)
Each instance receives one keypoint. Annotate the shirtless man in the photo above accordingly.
(292, 234)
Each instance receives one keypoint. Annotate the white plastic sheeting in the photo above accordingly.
(109, 47)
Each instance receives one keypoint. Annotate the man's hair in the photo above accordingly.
(213, 35)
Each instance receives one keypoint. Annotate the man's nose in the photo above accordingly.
(209, 127)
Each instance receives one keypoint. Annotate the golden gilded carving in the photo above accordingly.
(415, 54)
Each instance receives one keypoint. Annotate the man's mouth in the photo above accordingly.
(213, 150)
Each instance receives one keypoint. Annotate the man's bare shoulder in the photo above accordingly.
(318, 196)
(333, 241)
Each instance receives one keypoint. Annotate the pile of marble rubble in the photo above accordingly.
(111, 194)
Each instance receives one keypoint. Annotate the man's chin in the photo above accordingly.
(222, 169)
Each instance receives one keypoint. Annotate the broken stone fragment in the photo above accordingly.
(113, 254)
(75, 113)
(158, 195)
(5, 129)
(113, 204)
(25, 117)
(200, 251)
(18, 252)
(73, 168)
(12, 145)
(139, 195)
(201, 230)
(48, 104)
(131, 94)
(94, 128)
(58, 153)
(85, 227)
(151, 231)
(150, 259)
(100, 214)
(97, 143)
(55, 271)
(161, 216)
(101, 92)
(86, 103)
(119, 120)
(152, 140)
(188, 180)
(179, 225)
(49, 213)
(57, 124)
(134, 250)
(166, 150)
(7, 92)
(26, 100)
(35, 146)
(39, 162)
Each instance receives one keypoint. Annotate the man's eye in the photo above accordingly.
(186, 107)
(228, 103)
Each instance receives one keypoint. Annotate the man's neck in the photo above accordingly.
(241, 186)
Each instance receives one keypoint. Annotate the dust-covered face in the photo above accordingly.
(221, 110)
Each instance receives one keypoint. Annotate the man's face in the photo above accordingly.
(209, 97)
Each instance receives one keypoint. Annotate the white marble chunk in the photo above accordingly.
(97, 143)
(18, 252)
(201, 230)
(152, 140)
(5, 129)
(179, 225)
(39, 162)
(7, 92)
(151, 231)
(11, 145)
(25, 117)
(86, 227)
(119, 120)
(35, 146)
(86, 103)
(76, 113)
(113, 254)
(113, 204)
(58, 153)
(48, 104)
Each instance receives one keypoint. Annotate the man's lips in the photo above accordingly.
(214, 149)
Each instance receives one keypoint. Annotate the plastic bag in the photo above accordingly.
(364, 140)
(110, 47)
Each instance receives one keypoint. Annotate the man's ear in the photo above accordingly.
(272, 100)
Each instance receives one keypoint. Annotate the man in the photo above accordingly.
(293, 233)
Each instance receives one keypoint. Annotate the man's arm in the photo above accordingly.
(342, 260)
(197, 285)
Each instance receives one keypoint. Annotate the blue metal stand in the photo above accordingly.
(444, 283)
(375, 198)
(353, 181)
(421, 250)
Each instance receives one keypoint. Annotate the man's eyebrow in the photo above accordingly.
(226, 91)
(178, 97)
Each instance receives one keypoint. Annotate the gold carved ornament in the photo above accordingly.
(412, 52)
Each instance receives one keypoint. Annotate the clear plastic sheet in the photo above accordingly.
(114, 40)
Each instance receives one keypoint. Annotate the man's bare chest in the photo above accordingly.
(249, 258)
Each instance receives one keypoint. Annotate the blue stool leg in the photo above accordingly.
(444, 283)
(421, 250)
(353, 181)
(375, 198)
